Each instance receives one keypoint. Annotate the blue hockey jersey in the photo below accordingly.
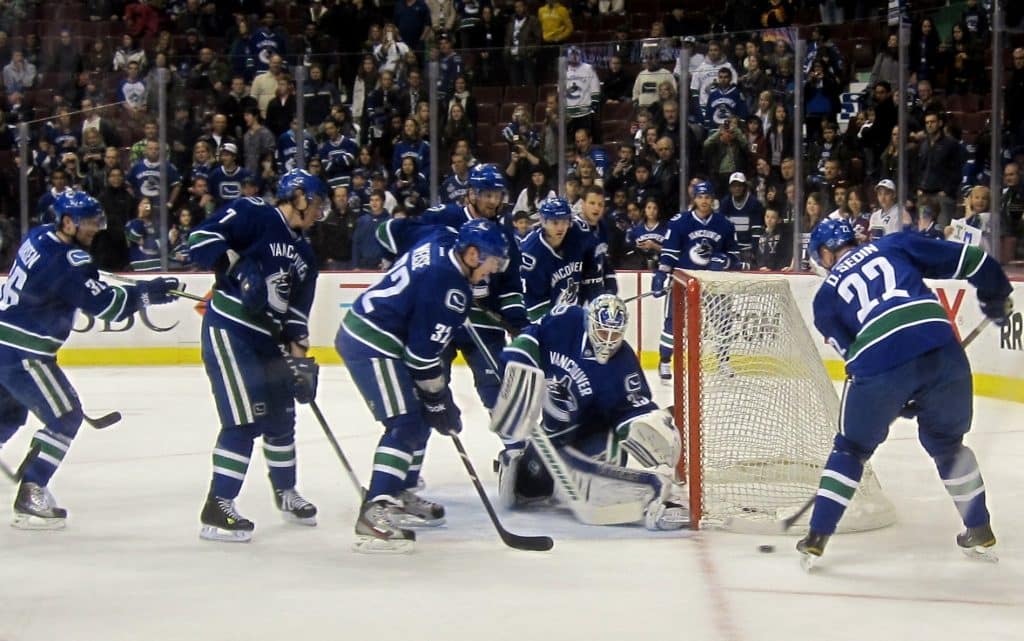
(878, 313)
(554, 276)
(226, 185)
(257, 231)
(582, 393)
(48, 281)
(602, 280)
(411, 313)
(501, 293)
(690, 242)
(144, 177)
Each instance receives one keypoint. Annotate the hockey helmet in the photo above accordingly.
(555, 209)
(79, 206)
(488, 239)
(487, 177)
(309, 184)
(606, 325)
(831, 234)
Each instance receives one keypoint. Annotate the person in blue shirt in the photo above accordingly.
(254, 343)
(366, 251)
(902, 358)
(52, 278)
(392, 342)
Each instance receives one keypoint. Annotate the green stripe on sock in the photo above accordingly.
(381, 458)
(287, 455)
(49, 448)
(836, 487)
(230, 464)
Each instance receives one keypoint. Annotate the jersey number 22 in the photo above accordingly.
(854, 286)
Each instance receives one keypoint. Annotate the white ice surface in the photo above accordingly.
(130, 565)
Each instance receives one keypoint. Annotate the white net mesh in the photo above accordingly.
(768, 411)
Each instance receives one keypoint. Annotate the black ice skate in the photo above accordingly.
(294, 507)
(36, 509)
(977, 543)
(376, 532)
(222, 522)
(811, 547)
(415, 511)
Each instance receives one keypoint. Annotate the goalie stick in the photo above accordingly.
(788, 522)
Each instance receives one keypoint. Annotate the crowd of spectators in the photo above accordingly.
(86, 76)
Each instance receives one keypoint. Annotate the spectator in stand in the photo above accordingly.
(757, 144)
(888, 218)
(585, 149)
(66, 57)
(706, 75)
(367, 253)
(965, 69)
(143, 239)
(754, 82)
(320, 95)
(281, 110)
(457, 126)
(821, 99)
(887, 65)
(225, 181)
(1014, 99)
(645, 87)
(141, 19)
(665, 173)
(460, 95)
(363, 86)
(19, 74)
(109, 249)
(234, 104)
(778, 14)
(172, 84)
(202, 161)
(924, 50)
(442, 15)
(332, 237)
(555, 28)
(450, 67)
(644, 240)
(132, 91)
(390, 51)
(975, 228)
(200, 203)
(617, 85)
(725, 102)
(939, 161)
(412, 17)
(773, 250)
(97, 58)
(643, 187)
(44, 212)
(257, 140)
(411, 145)
(522, 41)
(975, 21)
(455, 186)
(623, 174)
(1011, 215)
(127, 53)
(265, 85)
(725, 152)
(745, 212)
(536, 191)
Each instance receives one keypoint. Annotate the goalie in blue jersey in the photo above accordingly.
(393, 342)
(52, 277)
(902, 359)
(254, 342)
(597, 408)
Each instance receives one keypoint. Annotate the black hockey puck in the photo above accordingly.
(766, 549)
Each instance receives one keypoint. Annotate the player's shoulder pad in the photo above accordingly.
(78, 258)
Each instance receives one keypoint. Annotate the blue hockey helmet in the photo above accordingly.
(488, 239)
(703, 188)
(487, 177)
(555, 209)
(831, 234)
(300, 179)
(79, 206)
(606, 325)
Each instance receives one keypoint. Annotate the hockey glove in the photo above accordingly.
(440, 411)
(909, 410)
(157, 291)
(658, 284)
(998, 310)
(252, 286)
(305, 377)
(719, 262)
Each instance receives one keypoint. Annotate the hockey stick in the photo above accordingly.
(11, 475)
(639, 296)
(103, 422)
(131, 281)
(788, 522)
(517, 541)
(337, 449)
(15, 476)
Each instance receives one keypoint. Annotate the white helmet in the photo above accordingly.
(606, 325)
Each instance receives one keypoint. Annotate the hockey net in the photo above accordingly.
(755, 406)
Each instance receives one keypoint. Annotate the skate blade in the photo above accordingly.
(808, 561)
(298, 520)
(667, 382)
(365, 544)
(211, 533)
(981, 553)
(24, 521)
(413, 521)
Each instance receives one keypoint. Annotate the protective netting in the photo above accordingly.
(768, 411)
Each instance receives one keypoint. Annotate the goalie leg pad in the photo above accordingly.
(652, 439)
(519, 403)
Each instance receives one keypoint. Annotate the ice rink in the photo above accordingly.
(130, 565)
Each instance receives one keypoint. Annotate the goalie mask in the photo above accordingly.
(606, 325)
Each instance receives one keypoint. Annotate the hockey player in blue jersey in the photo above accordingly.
(902, 359)
(254, 342)
(393, 342)
(498, 301)
(701, 238)
(554, 260)
(593, 221)
(597, 407)
(52, 277)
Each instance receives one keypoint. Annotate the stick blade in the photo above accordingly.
(105, 421)
(528, 543)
